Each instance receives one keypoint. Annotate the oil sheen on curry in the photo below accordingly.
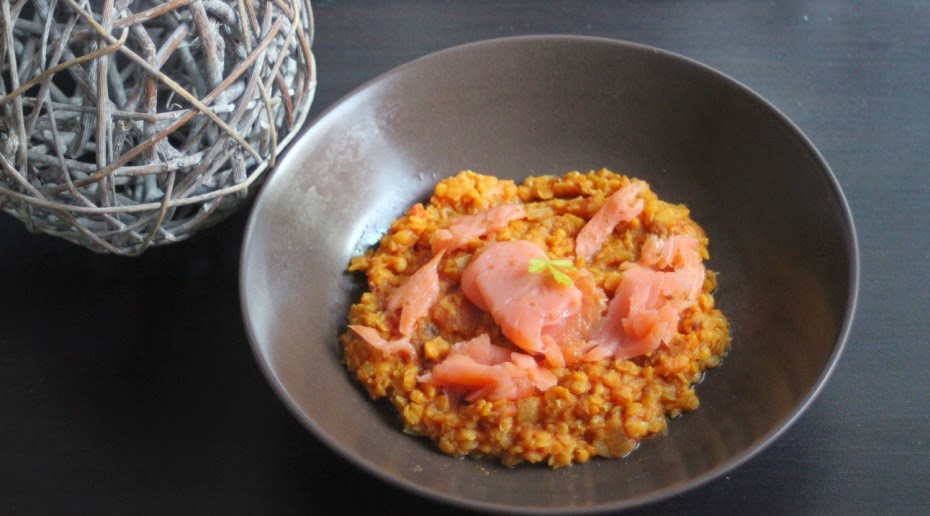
(553, 321)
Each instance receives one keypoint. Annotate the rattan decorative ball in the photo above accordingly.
(126, 124)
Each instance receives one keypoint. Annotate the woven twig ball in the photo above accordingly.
(126, 124)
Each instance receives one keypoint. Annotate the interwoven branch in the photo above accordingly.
(127, 124)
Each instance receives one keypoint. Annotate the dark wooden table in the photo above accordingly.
(128, 385)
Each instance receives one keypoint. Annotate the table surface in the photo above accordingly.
(128, 384)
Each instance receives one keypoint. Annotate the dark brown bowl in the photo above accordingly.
(781, 236)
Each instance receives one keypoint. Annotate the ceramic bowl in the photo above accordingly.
(781, 237)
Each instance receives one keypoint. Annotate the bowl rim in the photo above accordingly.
(852, 253)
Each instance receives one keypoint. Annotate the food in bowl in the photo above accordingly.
(553, 321)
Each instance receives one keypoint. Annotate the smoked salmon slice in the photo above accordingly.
(413, 300)
(371, 336)
(621, 206)
(572, 333)
(648, 302)
(468, 227)
(675, 252)
(416, 295)
(525, 305)
(490, 372)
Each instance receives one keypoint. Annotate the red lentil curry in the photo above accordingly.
(602, 363)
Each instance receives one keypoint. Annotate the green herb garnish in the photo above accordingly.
(555, 267)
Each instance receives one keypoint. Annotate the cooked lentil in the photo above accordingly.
(597, 409)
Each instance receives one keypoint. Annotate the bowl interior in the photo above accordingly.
(780, 236)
